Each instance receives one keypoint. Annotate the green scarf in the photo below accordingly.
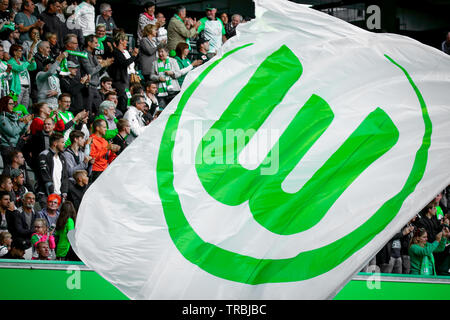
(100, 43)
(162, 67)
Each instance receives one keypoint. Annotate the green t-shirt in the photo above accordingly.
(63, 245)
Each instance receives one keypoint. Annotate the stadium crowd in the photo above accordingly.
(75, 93)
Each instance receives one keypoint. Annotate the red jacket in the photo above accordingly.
(101, 154)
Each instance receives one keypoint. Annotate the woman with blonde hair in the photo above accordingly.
(148, 48)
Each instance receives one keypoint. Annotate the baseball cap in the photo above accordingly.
(210, 7)
(200, 41)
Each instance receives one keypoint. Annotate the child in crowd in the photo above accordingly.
(42, 234)
(5, 243)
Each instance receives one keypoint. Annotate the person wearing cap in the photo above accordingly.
(212, 29)
(17, 250)
(203, 53)
(181, 29)
(47, 81)
(145, 18)
(107, 112)
(76, 87)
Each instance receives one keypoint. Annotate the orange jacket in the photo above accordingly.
(101, 154)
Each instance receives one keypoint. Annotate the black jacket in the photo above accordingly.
(46, 172)
(432, 226)
(77, 90)
(118, 70)
(76, 193)
(18, 228)
(54, 25)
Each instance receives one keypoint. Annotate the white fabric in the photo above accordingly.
(83, 18)
(341, 63)
(57, 174)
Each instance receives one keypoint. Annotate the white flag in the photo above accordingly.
(280, 169)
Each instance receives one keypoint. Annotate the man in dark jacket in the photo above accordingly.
(76, 87)
(21, 224)
(52, 23)
(77, 187)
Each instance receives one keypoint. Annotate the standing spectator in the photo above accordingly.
(76, 159)
(51, 21)
(50, 212)
(77, 88)
(421, 251)
(161, 36)
(224, 17)
(230, 28)
(40, 142)
(19, 189)
(20, 82)
(43, 53)
(134, 115)
(107, 112)
(446, 44)
(23, 223)
(40, 7)
(93, 68)
(66, 222)
(5, 72)
(105, 42)
(181, 29)
(148, 47)
(16, 6)
(145, 18)
(105, 87)
(13, 38)
(78, 184)
(47, 82)
(11, 127)
(26, 20)
(54, 44)
(213, 29)
(102, 152)
(119, 71)
(151, 90)
(164, 71)
(105, 18)
(5, 210)
(83, 18)
(53, 176)
(17, 162)
(185, 65)
(124, 130)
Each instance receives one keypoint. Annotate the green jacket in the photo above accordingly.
(417, 253)
(110, 134)
(25, 66)
(11, 129)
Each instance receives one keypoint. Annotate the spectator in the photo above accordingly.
(4, 19)
(441, 209)
(212, 29)
(181, 29)
(151, 90)
(40, 7)
(13, 38)
(185, 65)
(105, 18)
(161, 36)
(121, 68)
(6, 185)
(78, 184)
(224, 18)
(421, 251)
(5, 243)
(76, 87)
(43, 54)
(17, 250)
(83, 18)
(42, 251)
(50, 213)
(93, 68)
(22, 226)
(203, 53)
(54, 44)
(17, 162)
(134, 115)
(11, 127)
(428, 221)
(5, 72)
(5, 210)
(105, 87)
(20, 82)
(32, 43)
(15, 6)
(105, 43)
(102, 152)
(19, 189)
(108, 113)
(148, 47)
(124, 130)
(164, 71)
(47, 82)
(40, 141)
(66, 222)
(145, 18)
(42, 110)
(52, 23)
(230, 28)
(53, 176)
(76, 159)
(26, 20)
(446, 44)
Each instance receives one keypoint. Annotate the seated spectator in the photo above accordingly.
(42, 251)
(107, 112)
(33, 43)
(446, 44)
(47, 82)
(76, 159)
(53, 176)
(105, 18)
(66, 222)
(148, 47)
(203, 50)
(78, 185)
(185, 65)
(17, 162)
(11, 128)
(42, 111)
(7, 186)
(421, 251)
(124, 129)
(22, 226)
(164, 71)
(102, 152)
(50, 213)
(18, 186)
(5, 210)
(17, 250)
(20, 82)
(134, 115)
(5, 243)
(150, 96)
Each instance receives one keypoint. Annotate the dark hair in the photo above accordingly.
(135, 98)
(4, 103)
(96, 124)
(134, 87)
(149, 83)
(4, 193)
(76, 134)
(13, 154)
(67, 211)
(106, 79)
(181, 46)
(110, 93)
(34, 28)
(55, 136)
(14, 48)
(148, 4)
(180, 8)
(36, 107)
(89, 38)
(62, 95)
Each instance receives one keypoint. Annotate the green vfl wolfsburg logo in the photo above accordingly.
(277, 211)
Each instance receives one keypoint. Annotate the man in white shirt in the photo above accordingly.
(83, 18)
(134, 115)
